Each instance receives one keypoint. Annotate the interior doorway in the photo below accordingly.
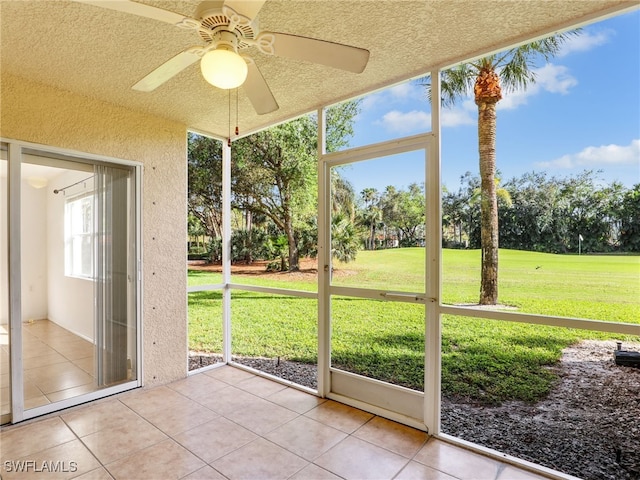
(72, 317)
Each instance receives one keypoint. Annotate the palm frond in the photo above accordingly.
(517, 64)
(457, 82)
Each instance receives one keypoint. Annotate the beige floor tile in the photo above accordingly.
(337, 415)
(259, 386)
(97, 474)
(35, 402)
(43, 360)
(97, 416)
(59, 339)
(48, 371)
(22, 440)
(63, 461)
(262, 417)
(314, 472)
(164, 460)
(145, 401)
(215, 439)
(198, 386)
(418, 471)
(205, 473)
(77, 351)
(36, 350)
(41, 326)
(457, 461)
(87, 364)
(184, 416)
(72, 392)
(4, 361)
(393, 436)
(259, 459)
(113, 443)
(296, 400)
(30, 389)
(230, 375)
(356, 459)
(511, 472)
(71, 379)
(306, 437)
(228, 400)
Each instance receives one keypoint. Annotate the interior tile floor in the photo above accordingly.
(57, 365)
(229, 423)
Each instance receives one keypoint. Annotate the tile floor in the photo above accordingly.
(229, 423)
(57, 365)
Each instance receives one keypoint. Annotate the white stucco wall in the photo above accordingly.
(37, 113)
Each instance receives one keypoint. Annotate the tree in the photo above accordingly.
(274, 171)
(204, 166)
(486, 77)
(404, 211)
(630, 220)
(371, 214)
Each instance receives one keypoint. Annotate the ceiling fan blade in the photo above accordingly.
(337, 55)
(246, 8)
(139, 9)
(258, 91)
(168, 69)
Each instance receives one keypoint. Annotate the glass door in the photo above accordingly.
(377, 272)
(5, 383)
(78, 282)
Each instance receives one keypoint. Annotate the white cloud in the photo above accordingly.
(370, 101)
(465, 114)
(585, 41)
(555, 78)
(405, 122)
(418, 120)
(396, 95)
(598, 157)
(408, 90)
(550, 78)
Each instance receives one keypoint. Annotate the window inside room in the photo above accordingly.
(78, 234)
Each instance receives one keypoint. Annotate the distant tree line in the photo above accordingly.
(274, 203)
(542, 213)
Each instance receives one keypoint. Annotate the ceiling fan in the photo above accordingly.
(226, 28)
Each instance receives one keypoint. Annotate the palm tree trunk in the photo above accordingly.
(488, 202)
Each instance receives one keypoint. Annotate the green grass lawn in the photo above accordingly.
(483, 360)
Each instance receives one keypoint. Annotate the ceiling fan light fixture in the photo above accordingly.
(224, 68)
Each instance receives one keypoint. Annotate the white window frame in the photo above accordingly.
(75, 240)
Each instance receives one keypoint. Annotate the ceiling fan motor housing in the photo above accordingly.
(214, 21)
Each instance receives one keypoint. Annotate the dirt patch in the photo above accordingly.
(588, 426)
(308, 269)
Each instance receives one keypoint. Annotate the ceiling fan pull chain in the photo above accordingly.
(229, 137)
(237, 129)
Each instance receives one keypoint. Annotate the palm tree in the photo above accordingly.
(371, 214)
(488, 76)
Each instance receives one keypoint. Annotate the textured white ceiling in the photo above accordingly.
(101, 53)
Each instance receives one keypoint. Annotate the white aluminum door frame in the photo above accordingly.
(14, 181)
(398, 403)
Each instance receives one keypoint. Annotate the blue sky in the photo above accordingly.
(582, 113)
